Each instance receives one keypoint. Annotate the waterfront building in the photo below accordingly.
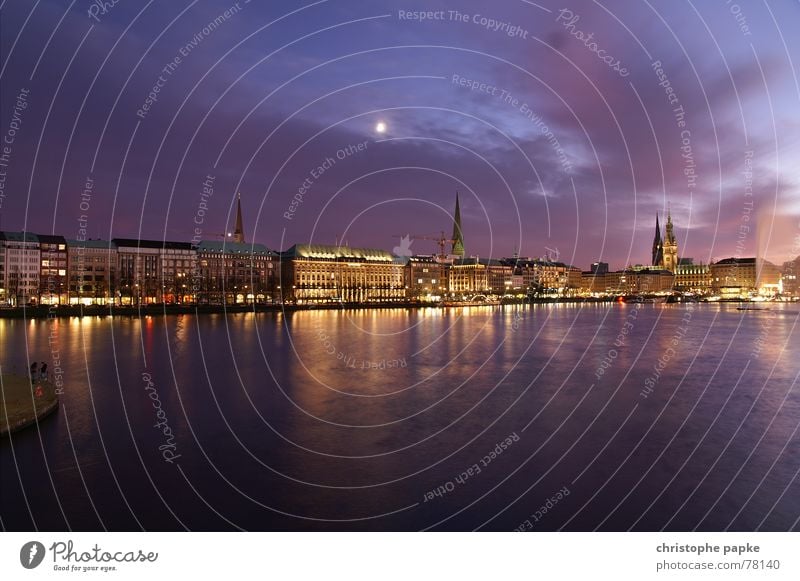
(616, 282)
(592, 284)
(692, 278)
(647, 281)
(425, 278)
(769, 282)
(743, 277)
(316, 273)
(235, 273)
(574, 279)
(790, 276)
(53, 281)
(92, 272)
(633, 280)
(467, 277)
(599, 267)
(541, 276)
(549, 277)
(20, 268)
(155, 271)
(498, 276)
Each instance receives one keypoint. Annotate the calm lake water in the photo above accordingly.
(569, 417)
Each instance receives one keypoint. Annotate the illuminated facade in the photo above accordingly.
(498, 276)
(693, 278)
(235, 273)
(20, 268)
(314, 273)
(53, 280)
(633, 280)
(467, 276)
(647, 281)
(791, 277)
(544, 276)
(425, 278)
(743, 277)
(154, 271)
(92, 272)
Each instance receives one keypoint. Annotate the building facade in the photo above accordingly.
(92, 272)
(743, 277)
(498, 276)
(791, 277)
(693, 278)
(235, 273)
(53, 279)
(425, 278)
(546, 277)
(154, 271)
(647, 281)
(315, 273)
(21, 268)
(467, 277)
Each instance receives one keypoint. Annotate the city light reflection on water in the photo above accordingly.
(341, 414)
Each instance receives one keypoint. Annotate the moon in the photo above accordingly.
(380, 127)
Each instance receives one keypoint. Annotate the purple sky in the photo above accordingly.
(260, 100)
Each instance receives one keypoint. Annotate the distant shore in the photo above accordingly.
(23, 404)
(44, 311)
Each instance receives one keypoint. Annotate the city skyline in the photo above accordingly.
(48, 269)
(664, 240)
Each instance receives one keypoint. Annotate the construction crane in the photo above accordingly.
(441, 240)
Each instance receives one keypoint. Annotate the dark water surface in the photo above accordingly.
(448, 419)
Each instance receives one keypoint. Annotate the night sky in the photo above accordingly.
(559, 143)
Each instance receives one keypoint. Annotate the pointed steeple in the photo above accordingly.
(238, 233)
(458, 235)
(670, 236)
(658, 246)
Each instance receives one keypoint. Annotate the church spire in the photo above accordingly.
(670, 235)
(658, 246)
(238, 233)
(458, 235)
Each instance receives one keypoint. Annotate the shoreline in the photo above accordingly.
(19, 412)
(69, 311)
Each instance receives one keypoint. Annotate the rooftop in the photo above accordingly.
(92, 243)
(341, 253)
(228, 247)
(165, 244)
(19, 236)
